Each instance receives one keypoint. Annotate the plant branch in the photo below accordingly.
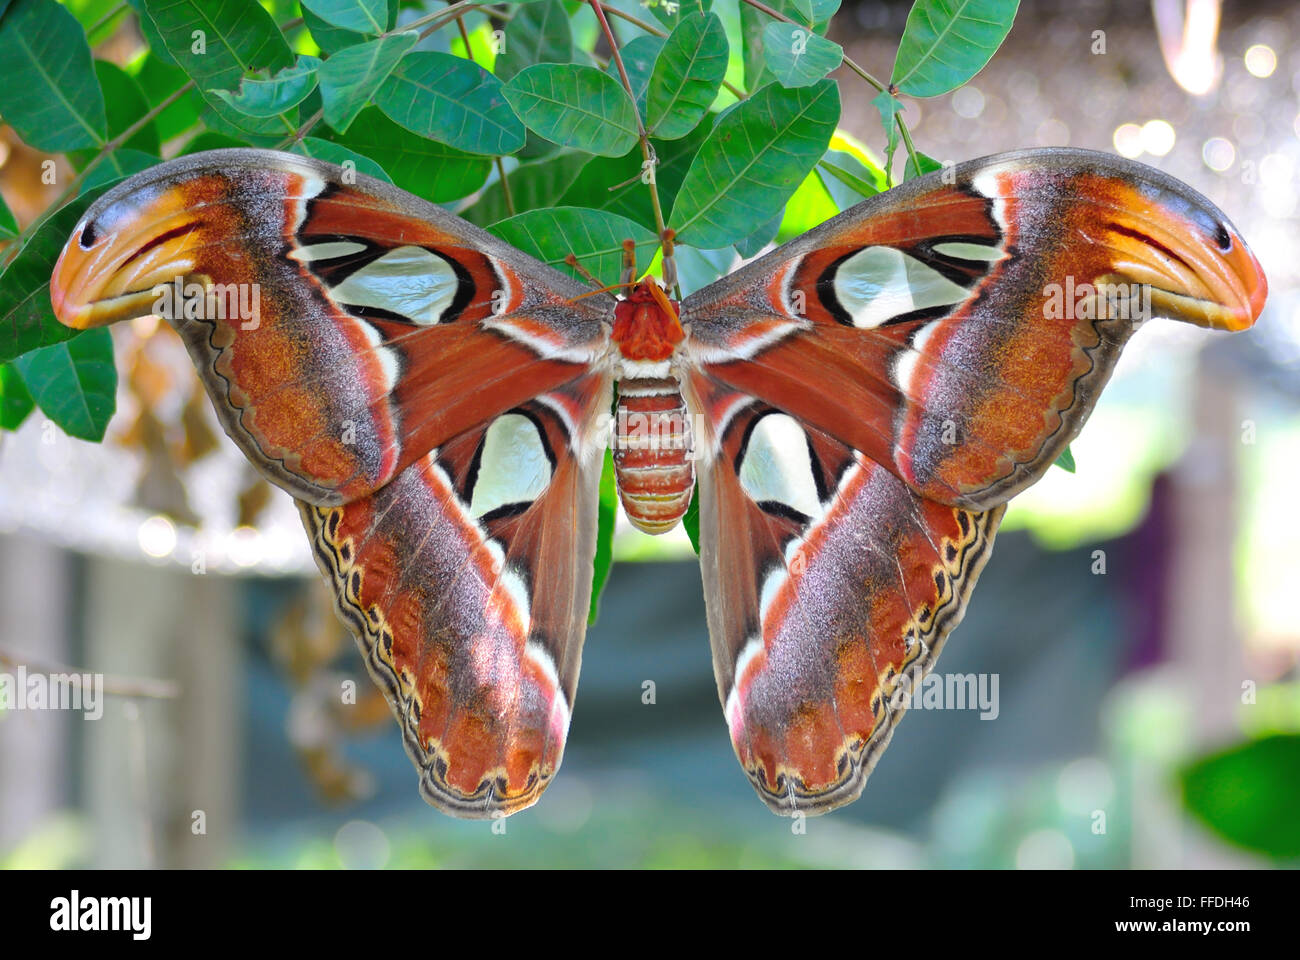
(105, 20)
(647, 151)
(864, 74)
(635, 21)
(297, 135)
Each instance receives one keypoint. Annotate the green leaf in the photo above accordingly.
(691, 519)
(359, 16)
(605, 518)
(810, 206)
(890, 107)
(815, 11)
(338, 154)
(1247, 794)
(533, 185)
(629, 197)
(426, 168)
(234, 38)
(752, 24)
(753, 161)
(685, 8)
(8, 225)
(928, 165)
(750, 246)
(330, 39)
(796, 56)
(575, 106)
(221, 117)
(151, 35)
(595, 237)
(15, 402)
(453, 101)
(218, 42)
(1066, 460)
(537, 33)
(687, 76)
(159, 80)
(697, 268)
(74, 382)
(208, 140)
(49, 93)
(282, 92)
(26, 315)
(639, 61)
(946, 42)
(125, 104)
(843, 168)
(351, 77)
(118, 164)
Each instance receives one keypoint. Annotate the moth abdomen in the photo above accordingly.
(653, 453)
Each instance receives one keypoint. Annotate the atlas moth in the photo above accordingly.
(852, 410)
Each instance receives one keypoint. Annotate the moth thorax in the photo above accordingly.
(653, 453)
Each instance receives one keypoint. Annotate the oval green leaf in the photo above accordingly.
(639, 56)
(595, 237)
(15, 402)
(453, 101)
(74, 383)
(798, 57)
(49, 95)
(234, 38)
(284, 91)
(338, 154)
(126, 103)
(533, 185)
(753, 161)
(426, 168)
(26, 315)
(8, 225)
(351, 77)
(537, 33)
(575, 106)
(946, 42)
(359, 16)
(687, 75)
(1247, 794)
(630, 197)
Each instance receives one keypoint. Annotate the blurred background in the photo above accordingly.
(1138, 613)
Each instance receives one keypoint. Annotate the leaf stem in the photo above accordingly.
(635, 21)
(105, 20)
(297, 135)
(505, 186)
(864, 74)
(647, 151)
(432, 21)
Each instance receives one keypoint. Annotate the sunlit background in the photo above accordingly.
(1137, 613)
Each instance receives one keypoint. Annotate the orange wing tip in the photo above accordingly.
(788, 790)
(497, 781)
(493, 798)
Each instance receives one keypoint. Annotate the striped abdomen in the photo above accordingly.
(653, 458)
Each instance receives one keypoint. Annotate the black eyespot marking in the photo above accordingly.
(1223, 238)
(87, 238)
